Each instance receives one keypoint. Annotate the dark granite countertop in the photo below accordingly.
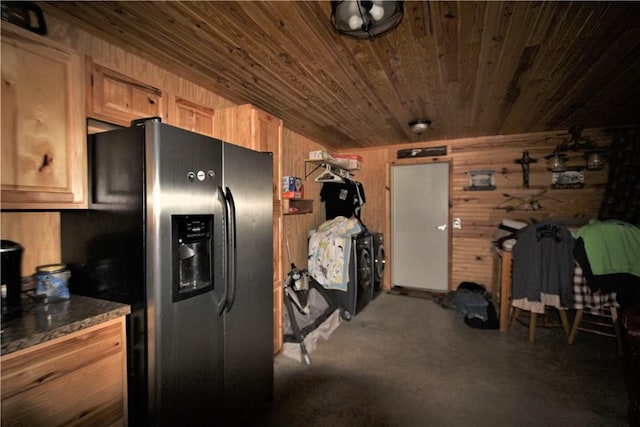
(41, 322)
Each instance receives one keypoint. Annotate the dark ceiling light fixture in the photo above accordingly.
(594, 156)
(419, 126)
(366, 19)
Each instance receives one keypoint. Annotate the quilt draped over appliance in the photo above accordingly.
(330, 251)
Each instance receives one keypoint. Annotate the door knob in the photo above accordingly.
(442, 227)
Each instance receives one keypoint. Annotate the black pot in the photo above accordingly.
(11, 275)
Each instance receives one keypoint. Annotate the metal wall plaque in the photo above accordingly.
(481, 180)
(408, 153)
(25, 14)
(571, 178)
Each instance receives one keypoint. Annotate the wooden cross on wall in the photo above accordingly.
(525, 161)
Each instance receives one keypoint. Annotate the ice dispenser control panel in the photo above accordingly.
(192, 253)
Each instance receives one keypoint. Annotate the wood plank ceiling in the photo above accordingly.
(473, 68)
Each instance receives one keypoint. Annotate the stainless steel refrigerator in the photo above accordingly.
(179, 226)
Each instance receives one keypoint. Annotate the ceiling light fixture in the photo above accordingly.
(366, 19)
(419, 126)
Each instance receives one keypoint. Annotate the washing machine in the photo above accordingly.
(361, 277)
(378, 263)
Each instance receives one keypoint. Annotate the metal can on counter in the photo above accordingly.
(52, 281)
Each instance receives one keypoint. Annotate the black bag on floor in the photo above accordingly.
(491, 321)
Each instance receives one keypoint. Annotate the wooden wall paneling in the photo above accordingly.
(296, 227)
(39, 235)
(372, 177)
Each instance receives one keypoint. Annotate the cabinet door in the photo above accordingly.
(252, 128)
(191, 116)
(278, 279)
(43, 138)
(268, 137)
(77, 379)
(115, 98)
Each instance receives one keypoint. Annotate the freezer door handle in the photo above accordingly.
(221, 303)
(231, 259)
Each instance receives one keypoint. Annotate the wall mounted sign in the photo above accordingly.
(571, 178)
(481, 180)
(422, 152)
(25, 14)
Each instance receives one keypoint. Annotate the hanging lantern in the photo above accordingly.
(556, 162)
(595, 159)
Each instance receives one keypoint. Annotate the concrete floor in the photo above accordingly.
(407, 361)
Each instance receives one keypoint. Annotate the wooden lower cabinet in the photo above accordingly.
(78, 380)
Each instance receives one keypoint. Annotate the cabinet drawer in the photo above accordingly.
(74, 379)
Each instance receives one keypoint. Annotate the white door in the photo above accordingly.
(419, 226)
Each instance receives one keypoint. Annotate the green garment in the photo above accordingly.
(612, 246)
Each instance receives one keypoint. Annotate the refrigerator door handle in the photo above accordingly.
(233, 252)
(222, 302)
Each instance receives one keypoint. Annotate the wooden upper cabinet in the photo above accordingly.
(43, 123)
(115, 98)
(249, 127)
(191, 116)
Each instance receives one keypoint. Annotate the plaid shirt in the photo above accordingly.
(591, 302)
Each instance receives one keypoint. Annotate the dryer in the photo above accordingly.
(378, 263)
(361, 277)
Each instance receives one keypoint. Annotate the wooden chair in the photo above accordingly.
(533, 316)
(596, 312)
(542, 267)
(604, 323)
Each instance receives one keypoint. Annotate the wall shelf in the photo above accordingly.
(327, 164)
(297, 206)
